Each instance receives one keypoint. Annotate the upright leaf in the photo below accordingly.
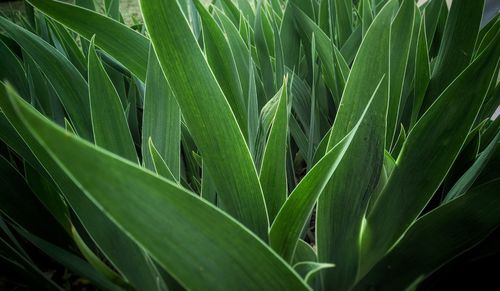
(431, 147)
(207, 113)
(457, 46)
(449, 230)
(161, 119)
(108, 118)
(342, 206)
(273, 169)
(401, 35)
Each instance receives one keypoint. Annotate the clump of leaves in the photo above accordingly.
(248, 145)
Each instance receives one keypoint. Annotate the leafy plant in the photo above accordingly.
(247, 145)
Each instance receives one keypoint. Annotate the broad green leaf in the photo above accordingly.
(125, 45)
(108, 237)
(468, 178)
(161, 119)
(294, 214)
(207, 113)
(431, 147)
(134, 198)
(338, 223)
(401, 35)
(436, 237)
(457, 46)
(221, 61)
(67, 81)
(273, 170)
(108, 119)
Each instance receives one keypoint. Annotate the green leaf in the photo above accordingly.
(134, 198)
(109, 34)
(69, 260)
(431, 149)
(68, 83)
(338, 222)
(221, 60)
(161, 120)
(309, 270)
(401, 35)
(436, 237)
(159, 165)
(294, 214)
(108, 119)
(422, 72)
(12, 70)
(335, 69)
(273, 169)
(342, 19)
(207, 113)
(457, 46)
(468, 178)
(128, 259)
